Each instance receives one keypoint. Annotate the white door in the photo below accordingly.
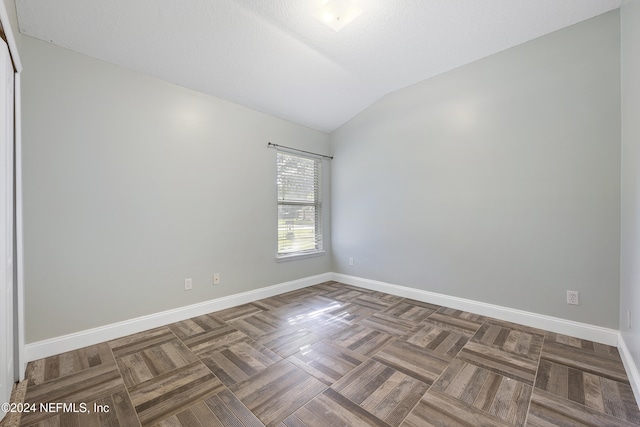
(7, 371)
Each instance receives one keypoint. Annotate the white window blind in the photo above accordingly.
(299, 204)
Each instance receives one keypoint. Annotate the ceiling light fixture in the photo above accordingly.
(338, 13)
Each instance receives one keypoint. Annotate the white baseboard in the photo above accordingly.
(93, 336)
(77, 340)
(554, 324)
(630, 366)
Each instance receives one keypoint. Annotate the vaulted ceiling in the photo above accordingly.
(276, 57)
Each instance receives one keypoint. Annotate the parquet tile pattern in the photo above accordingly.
(335, 355)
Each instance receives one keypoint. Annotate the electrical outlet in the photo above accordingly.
(572, 298)
(216, 278)
(188, 284)
(350, 261)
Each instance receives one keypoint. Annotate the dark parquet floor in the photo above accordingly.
(335, 355)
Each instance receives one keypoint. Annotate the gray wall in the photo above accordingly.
(630, 227)
(497, 182)
(132, 184)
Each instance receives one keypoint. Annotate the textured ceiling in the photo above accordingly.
(275, 57)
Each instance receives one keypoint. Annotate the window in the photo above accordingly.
(299, 204)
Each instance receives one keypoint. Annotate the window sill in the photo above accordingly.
(283, 258)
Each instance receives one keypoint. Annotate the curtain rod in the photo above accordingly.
(271, 144)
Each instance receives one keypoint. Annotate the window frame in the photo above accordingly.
(317, 204)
